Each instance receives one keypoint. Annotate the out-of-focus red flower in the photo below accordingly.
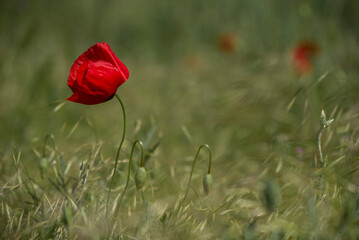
(95, 75)
(227, 42)
(193, 62)
(302, 57)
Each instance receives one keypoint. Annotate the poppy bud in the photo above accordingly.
(271, 195)
(140, 177)
(43, 166)
(207, 183)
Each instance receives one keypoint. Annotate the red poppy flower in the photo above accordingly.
(95, 75)
(227, 42)
(302, 58)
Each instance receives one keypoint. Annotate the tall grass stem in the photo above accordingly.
(128, 174)
(319, 137)
(47, 137)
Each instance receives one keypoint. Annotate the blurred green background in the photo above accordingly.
(178, 75)
(248, 104)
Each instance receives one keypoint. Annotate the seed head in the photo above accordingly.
(323, 119)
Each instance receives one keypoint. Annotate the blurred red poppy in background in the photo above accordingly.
(304, 51)
(95, 75)
(227, 42)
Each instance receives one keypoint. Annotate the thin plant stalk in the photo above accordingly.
(193, 164)
(47, 137)
(128, 174)
(324, 123)
(118, 151)
(319, 137)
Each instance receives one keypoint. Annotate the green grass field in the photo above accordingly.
(259, 116)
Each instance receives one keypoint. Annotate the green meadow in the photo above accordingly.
(280, 170)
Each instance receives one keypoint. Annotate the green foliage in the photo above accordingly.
(271, 195)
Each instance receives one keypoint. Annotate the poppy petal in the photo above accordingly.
(95, 75)
(87, 99)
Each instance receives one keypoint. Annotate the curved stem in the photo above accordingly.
(128, 174)
(118, 150)
(142, 152)
(210, 159)
(319, 136)
(45, 141)
(194, 162)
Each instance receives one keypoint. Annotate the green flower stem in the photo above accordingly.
(194, 162)
(210, 159)
(142, 153)
(118, 150)
(45, 141)
(128, 174)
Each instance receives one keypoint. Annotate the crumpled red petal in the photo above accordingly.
(95, 75)
(87, 99)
